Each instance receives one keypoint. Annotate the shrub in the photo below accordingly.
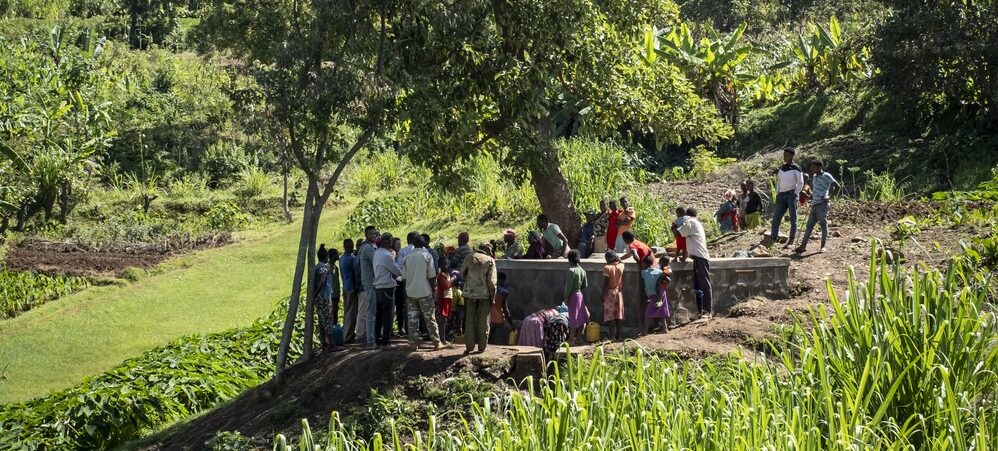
(882, 187)
(163, 385)
(253, 182)
(225, 217)
(222, 162)
(22, 291)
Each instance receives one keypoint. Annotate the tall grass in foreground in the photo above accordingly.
(905, 360)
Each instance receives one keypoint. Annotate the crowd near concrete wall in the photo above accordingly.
(539, 284)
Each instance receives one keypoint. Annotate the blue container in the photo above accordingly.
(336, 332)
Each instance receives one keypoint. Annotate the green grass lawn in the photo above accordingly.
(60, 343)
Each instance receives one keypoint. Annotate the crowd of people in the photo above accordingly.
(456, 293)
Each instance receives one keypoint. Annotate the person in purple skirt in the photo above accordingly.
(575, 282)
(657, 311)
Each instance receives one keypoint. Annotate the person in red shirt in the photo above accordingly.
(635, 249)
(611, 227)
(681, 252)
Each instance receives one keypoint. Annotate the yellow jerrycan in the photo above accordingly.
(514, 337)
(592, 332)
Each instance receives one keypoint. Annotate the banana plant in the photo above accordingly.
(823, 58)
(713, 63)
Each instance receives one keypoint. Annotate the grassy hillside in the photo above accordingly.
(86, 333)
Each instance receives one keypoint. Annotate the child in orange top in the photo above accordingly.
(613, 299)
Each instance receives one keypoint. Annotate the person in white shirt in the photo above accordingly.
(789, 183)
(696, 246)
(386, 275)
(419, 275)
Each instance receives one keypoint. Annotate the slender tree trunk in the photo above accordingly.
(284, 198)
(310, 300)
(303, 245)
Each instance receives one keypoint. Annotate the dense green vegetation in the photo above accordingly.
(23, 291)
(161, 386)
(845, 377)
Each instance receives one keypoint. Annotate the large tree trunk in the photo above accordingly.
(553, 193)
(310, 300)
(303, 245)
(284, 197)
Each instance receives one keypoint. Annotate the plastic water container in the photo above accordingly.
(514, 337)
(336, 333)
(592, 332)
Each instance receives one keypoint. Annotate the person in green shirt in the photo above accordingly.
(553, 239)
(575, 282)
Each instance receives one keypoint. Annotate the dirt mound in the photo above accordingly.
(70, 258)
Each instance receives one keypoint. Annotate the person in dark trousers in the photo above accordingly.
(349, 292)
(386, 277)
(753, 206)
(322, 295)
(401, 325)
(789, 183)
(696, 244)
(823, 186)
(500, 322)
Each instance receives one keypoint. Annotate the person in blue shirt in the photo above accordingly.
(587, 241)
(823, 186)
(350, 303)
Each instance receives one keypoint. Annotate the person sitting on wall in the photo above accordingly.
(535, 250)
(513, 247)
(554, 241)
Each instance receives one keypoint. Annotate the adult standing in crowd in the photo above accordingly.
(386, 277)
(479, 289)
(399, 309)
(822, 186)
(500, 321)
(612, 228)
(625, 223)
(463, 250)
(367, 306)
(418, 273)
(789, 183)
(349, 292)
(696, 245)
(429, 248)
(513, 247)
(335, 288)
(600, 226)
(322, 292)
(553, 239)
(753, 205)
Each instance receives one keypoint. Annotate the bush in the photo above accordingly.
(882, 187)
(22, 291)
(222, 162)
(163, 385)
(253, 183)
(225, 217)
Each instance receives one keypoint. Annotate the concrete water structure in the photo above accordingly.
(539, 284)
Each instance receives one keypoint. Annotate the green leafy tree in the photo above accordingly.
(940, 57)
(501, 76)
(714, 64)
(326, 73)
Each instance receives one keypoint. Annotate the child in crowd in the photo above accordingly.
(613, 299)
(681, 252)
(587, 241)
(575, 282)
(657, 312)
(727, 213)
(445, 300)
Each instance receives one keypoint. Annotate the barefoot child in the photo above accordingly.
(575, 282)
(613, 299)
(657, 311)
(680, 239)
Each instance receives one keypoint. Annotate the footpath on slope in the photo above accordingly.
(60, 343)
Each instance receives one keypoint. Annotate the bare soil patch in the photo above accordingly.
(70, 258)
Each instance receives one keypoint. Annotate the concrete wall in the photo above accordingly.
(538, 284)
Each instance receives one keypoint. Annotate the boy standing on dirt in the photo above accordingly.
(822, 185)
(789, 183)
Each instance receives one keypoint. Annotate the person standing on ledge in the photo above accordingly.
(612, 230)
(553, 239)
(822, 186)
(625, 223)
(513, 247)
(789, 183)
(696, 245)
(479, 289)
